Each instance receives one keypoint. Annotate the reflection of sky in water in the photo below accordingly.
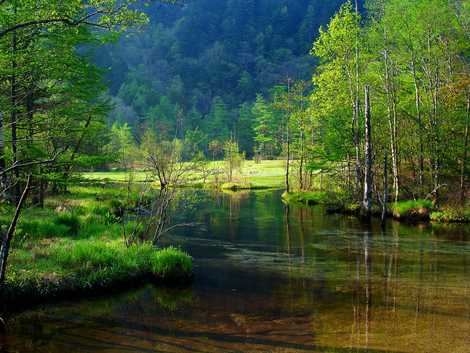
(268, 280)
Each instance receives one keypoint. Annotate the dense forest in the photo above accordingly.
(199, 67)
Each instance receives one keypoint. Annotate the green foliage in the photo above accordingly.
(122, 147)
(334, 80)
(451, 215)
(267, 128)
(233, 159)
(238, 186)
(37, 229)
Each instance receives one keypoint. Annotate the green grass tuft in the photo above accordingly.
(412, 210)
(170, 262)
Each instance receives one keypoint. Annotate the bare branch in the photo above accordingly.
(19, 164)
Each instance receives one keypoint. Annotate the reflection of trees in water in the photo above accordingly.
(233, 202)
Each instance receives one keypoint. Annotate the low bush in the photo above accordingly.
(451, 215)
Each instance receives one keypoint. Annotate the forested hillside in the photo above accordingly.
(201, 65)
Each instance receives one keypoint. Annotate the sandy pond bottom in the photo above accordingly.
(277, 279)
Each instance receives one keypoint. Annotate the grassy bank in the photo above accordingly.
(406, 211)
(75, 246)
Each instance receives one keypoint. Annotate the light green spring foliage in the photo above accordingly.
(334, 82)
(111, 15)
(122, 147)
(233, 159)
(414, 56)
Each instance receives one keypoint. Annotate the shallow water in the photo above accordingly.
(274, 279)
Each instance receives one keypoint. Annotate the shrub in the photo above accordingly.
(451, 215)
(50, 229)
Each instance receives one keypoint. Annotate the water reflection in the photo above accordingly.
(273, 278)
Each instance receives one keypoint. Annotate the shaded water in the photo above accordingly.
(272, 279)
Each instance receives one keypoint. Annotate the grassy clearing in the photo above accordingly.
(266, 174)
(75, 245)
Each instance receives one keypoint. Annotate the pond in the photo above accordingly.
(271, 278)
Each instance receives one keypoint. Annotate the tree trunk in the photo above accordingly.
(463, 168)
(301, 166)
(6, 241)
(357, 110)
(13, 122)
(3, 177)
(385, 194)
(367, 201)
(420, 127)
(288, 137)
(392, 122)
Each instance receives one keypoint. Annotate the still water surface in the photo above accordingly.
(272, 279)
